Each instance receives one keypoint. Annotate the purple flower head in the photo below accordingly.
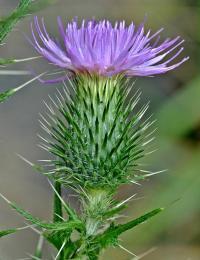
(106, 50)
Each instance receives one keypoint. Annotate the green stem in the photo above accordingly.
(57, 213)
(38, 252)
(98, 201)
(95, 205)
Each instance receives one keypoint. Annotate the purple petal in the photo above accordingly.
(106, 50)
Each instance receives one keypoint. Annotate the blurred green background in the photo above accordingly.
(175, 103)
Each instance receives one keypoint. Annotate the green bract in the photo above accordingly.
(94, 135)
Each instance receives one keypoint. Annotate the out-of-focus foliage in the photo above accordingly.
(24, 8)
(7, 23)
(181, 117)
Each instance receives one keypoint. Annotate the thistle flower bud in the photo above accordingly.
(95, 139)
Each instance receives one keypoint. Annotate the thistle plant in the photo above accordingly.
(95, 132)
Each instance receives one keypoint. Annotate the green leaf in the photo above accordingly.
(114, 211)
(5, 95)
(8, 93)
(57, 237)
(67, 225)
(124, 227)
(7, 232)
(11, 61)
(55, 233)
(6, 61)
(109, 237)
(29, 217)
(25, 7)
(178, 109)
(8, 23)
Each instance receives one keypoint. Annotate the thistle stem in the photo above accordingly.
(38, 252)
(98, 201)
(57, 211)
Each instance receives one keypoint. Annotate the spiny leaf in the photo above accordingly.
(68, 225)
(111, 234)
(5, 95)
(8, 23)
(11, 61)
(114, 211)
(65, 225)
(8, 93)
(7, 232)
(124, 227)
(57, 237)
(31, 218)
(25, 7)
(6, 61)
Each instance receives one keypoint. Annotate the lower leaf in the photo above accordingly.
(110, 236)
(7, 232)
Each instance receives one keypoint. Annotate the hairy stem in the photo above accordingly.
(98, 201)
(95, 205)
